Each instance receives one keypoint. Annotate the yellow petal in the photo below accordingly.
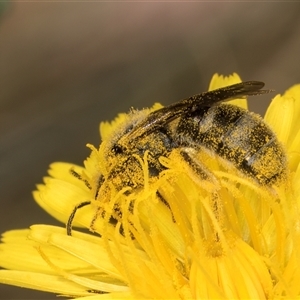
(239, 273)
(29, 258)
(219, 81)
(113, 296)
(62, 171)
(294, 93)
(59, 197)
(42, 282)
(280, 116)
(107, 128)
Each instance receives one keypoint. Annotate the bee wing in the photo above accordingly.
(158, 118)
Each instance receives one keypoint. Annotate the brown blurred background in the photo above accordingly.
(64, 67)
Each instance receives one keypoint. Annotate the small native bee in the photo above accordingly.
(202, 121)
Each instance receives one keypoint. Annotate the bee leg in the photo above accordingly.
(166, 203)
(202, 173)
(112, 219)
(197, 167)
(96, 292)
(72, 215)
(92, 224)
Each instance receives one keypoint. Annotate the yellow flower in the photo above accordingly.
(180, 236)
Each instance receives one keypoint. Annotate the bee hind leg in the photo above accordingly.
(200, 174)
(196, 169)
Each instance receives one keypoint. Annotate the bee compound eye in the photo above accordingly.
(118, 149)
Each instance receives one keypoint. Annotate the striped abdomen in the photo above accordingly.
(238, 136)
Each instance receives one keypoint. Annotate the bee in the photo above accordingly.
(202, 121)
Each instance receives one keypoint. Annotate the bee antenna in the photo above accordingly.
(78, 176)
(72, 215)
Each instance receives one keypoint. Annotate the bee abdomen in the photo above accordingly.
(252, 147)
(239, 137)
(268, 164)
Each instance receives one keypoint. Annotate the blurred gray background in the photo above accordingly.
(64, 67)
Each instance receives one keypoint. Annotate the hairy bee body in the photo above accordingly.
(202, 121)
(238, 136)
